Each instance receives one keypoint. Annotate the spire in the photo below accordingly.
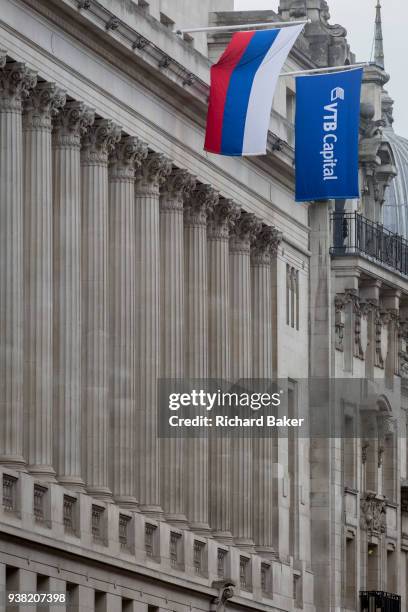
(378, 39)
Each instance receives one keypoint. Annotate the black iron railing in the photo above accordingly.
(379, 601)
(352, 233)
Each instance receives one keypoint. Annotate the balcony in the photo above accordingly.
(353, 234)
(379, 601)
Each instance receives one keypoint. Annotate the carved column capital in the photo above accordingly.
(265, 245)
(177, 187)
(16, 80)
(43, 103)
(99, 140)
(128, 154)
(246, 228)
(199, 204)
(222, 218)
(152, 173)
(72, 123)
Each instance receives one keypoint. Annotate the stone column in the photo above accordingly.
(265, 245)
(149, 178)
(177, 187)
(201, 201)
(221, 220)
(241, 368)
(15, 81)
(129, 151)
(100, 139)
(45, 101)
(70, 124)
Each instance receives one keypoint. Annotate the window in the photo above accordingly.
(97, 523)
(297, 589)
(199, 561)
(150, 540)
(69, 509)
(39, 503)
(175, 552)
(245, 573)
(124, 522)
(9, 493)
(221, 562)
(266, 578)
(292, 297)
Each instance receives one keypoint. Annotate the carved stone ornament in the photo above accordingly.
(361, 334)
(245, 230)
(44, 102)
(199, 205)
(16, 81)
(403, 348)
(373, 514)
(225, 590)
(265, 245)
(178, 187)
(100, 140)
(71, 124)
(152, 173)
(128, 154)
(339, 303)
(381, 337)
(222, 218)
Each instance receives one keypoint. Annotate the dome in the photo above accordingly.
(396, 195)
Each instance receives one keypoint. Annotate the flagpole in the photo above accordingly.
(326, 70)
(244, 27)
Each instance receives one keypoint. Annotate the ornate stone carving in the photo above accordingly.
(265, 245)
(381, 337)
(99, 140)
(200, 203)
(16, 80)
(225, 590)
(178, 187)
(44, 102)
(339, 304)
(113, 23)
(403, 347)
(246, 228)
(71, 123)
(373, 514)
(128, 154)
(152, 173)
(221, 219)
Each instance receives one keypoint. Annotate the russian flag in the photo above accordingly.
(243, 84)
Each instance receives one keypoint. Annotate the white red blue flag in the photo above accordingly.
(243, 84)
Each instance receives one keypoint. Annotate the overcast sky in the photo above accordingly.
(358, 17)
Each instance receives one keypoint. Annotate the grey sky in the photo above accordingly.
(358, 17)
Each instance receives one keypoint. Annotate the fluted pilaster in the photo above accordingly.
(15, 82)
(70, 124)
(128, 153)
(221, 220)
(99, 140)
(264, 246)
(172, 459)
(150, 176)
(241, 362)
(45, 101)
(200, 202)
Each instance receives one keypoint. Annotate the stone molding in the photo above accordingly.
(199, 205)
(373, 514)
(72, 123)
(16, 81)
(43, 103)
(129, 153)
(222, 218)
(99, 140)
(245, 230)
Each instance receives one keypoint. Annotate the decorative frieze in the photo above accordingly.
(373, 514)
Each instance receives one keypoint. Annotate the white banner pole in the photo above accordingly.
(326, 70)
(244, 27)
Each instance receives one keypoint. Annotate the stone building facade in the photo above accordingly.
(127, 254)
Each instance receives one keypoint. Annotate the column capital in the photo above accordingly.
(247, 226)
(199, 204)
(99, 140)
(178, 187)
(44, 102)
(129, 153)
(15, 82)
(222, 219)
(264, 245)
(152, 173)
(72, 123)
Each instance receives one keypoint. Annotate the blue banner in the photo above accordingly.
(327, 130)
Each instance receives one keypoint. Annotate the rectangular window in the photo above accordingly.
(9, 493)
(221, 562)
(175, 549)
(39, 503)
(245, 573)
(69, 512)
(266, 580)
(97, 523)
(150, 540)
(199, 561)
(124, 522)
